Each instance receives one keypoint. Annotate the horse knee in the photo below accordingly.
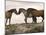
(34, 19)
(25, 20)
(6, 21)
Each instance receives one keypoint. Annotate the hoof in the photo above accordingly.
(34, 22)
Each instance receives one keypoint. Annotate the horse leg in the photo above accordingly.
(6, 21)
(34, 18)
(43, 18)
(25, 20)
(9, 20)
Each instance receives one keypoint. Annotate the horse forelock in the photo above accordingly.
(22, 10)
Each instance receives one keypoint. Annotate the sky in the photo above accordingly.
(28, 0)
(20, 18)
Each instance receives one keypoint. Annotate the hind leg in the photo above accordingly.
(25, 20)
(34, 19)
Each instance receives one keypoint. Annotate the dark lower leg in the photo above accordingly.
(34, 19)
(9, 20)
(6, 21)
(25, 20)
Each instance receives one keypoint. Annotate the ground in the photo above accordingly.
(24, 28)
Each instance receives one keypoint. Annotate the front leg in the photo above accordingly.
(34, 19)
(25, 20)
(6, 21)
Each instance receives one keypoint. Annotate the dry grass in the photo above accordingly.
(25, 28)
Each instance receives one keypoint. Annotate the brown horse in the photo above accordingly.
(35, 13)
(8, 14)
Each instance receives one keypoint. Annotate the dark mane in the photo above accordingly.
(31, 9)
(21, 8)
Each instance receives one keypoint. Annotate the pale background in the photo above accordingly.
(2, 16)
(17, 4)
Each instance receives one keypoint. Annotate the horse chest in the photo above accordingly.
(30, 15)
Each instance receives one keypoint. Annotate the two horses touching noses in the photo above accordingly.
(30, 12)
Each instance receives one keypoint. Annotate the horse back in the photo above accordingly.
(38, 13)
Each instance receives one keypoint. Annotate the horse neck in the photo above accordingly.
(11, 11)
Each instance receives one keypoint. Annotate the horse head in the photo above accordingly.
(22, 10)
(15, 11)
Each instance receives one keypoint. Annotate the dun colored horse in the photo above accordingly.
(35, 13)
(8, 14)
